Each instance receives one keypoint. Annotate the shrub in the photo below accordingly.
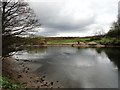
(8, 85)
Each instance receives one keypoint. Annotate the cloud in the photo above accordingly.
(74, 17)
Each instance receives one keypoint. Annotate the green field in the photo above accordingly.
(68, 40)
(100, 40)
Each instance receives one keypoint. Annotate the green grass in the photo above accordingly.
(68, 41)
(7, 84)
(61, 41)
(84, 40)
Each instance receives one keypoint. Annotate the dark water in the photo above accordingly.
(75, 67)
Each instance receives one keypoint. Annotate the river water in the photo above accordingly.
(75, 67)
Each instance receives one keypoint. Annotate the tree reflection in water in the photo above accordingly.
(112, 53)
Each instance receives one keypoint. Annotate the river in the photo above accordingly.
(75, 67)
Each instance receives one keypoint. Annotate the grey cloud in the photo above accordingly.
(66, 24)
(49, 32)
(63, 16)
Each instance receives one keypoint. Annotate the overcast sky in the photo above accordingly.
(74, 17)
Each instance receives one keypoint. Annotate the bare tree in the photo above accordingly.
(17, 18)
(99, 33)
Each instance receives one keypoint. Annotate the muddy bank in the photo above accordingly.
(18, 71)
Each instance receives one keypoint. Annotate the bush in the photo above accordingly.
(109, 41)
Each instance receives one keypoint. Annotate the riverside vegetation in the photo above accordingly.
(7, 84)
(112, 38)
(103, 40)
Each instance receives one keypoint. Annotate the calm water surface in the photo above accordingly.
(75, 67)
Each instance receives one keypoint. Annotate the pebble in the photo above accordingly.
(28, 69)
(42, 79)
(30, 77)
(51, 83)
(17, 59)
(44, 76)
(36, 80)
(19, 76)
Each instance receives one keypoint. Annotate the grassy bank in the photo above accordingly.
(99, 40)
(68, 41)
(8, 85)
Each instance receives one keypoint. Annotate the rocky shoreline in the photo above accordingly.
(18, 71)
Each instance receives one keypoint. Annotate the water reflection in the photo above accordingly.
(75, 67)
(113, 54)
(31, 53)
